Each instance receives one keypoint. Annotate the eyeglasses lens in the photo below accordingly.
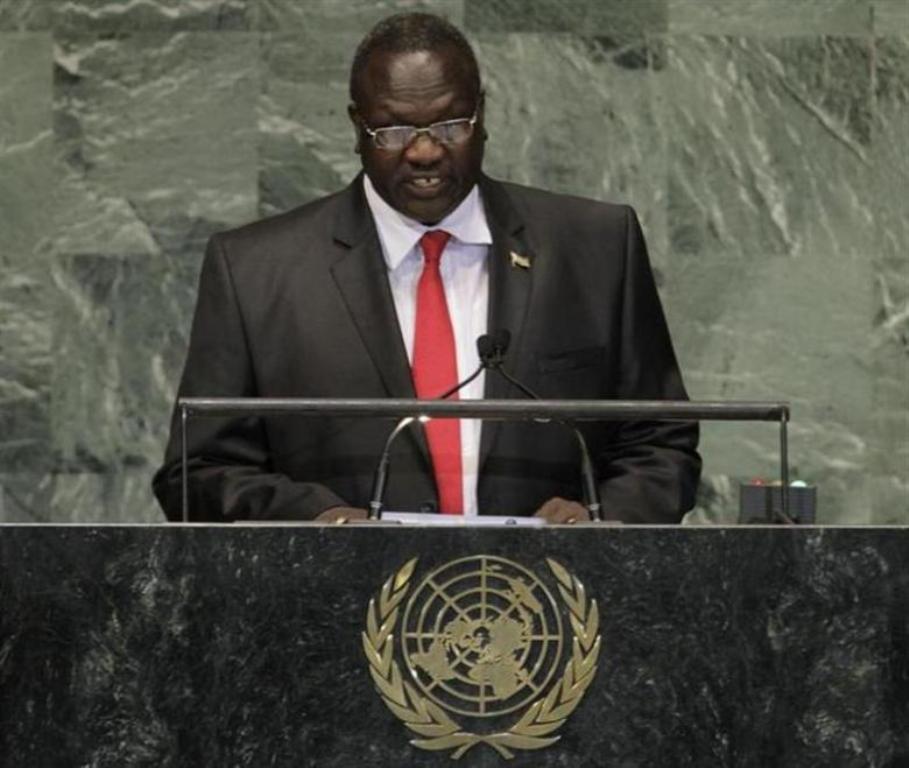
(393, 138)
(451, 133)
(399, 137)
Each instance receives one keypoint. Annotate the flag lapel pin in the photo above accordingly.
(517, 260)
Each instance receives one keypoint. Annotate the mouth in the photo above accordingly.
(426, 187)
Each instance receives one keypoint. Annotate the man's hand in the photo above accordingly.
(341, 515)
(558, 511)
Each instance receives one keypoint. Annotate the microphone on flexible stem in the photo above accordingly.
(380, 479)
(492, 349)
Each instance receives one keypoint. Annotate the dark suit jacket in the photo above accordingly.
(299, 306)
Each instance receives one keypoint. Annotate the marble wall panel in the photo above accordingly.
(770, 209)
(155, 148)
(891, 17)
(577, 115)
(586, 17)
(116, 496)
(771, 18)
(26, 185)
(119, 336)
(111, 396)
(114, 17)
(26, 177)
(25, 370)
(890, 265)
(159, 130)
(355, 16)
(20, 15)
(306, 140)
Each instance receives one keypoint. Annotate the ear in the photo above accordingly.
(354, 116)
(481, 114)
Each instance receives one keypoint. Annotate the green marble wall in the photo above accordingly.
(765, 144)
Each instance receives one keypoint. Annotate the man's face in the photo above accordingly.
(425, 180)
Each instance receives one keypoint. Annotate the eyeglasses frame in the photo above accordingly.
(372, 132)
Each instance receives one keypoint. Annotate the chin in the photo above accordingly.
(428, 214)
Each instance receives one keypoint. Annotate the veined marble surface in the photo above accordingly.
(181, 647)
(764, 143)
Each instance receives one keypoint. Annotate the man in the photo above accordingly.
(381, 291)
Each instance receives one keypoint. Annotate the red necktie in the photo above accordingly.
(435, 370)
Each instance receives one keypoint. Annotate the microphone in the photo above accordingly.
(380, 479)
(492, 348)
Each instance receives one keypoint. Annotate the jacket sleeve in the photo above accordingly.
(228, 467)
(648, 471)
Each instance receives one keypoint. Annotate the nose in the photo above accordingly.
(424, 150)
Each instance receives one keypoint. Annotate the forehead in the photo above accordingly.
(415, 80)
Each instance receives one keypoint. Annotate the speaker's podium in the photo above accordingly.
(387, 645)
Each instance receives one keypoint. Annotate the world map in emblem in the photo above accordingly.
(481, 636)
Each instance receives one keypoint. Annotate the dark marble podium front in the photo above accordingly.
(241, 646)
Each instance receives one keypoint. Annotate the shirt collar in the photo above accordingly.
(400, 234)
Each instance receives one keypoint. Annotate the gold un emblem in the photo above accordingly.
(484, 646)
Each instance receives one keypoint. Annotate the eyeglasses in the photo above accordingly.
(398, 137)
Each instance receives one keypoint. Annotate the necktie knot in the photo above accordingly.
(433, 243)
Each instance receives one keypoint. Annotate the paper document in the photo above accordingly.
(423, 518)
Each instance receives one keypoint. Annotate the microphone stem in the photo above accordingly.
(591, 492)
(381, 477)
(461, 384)
(512, 380)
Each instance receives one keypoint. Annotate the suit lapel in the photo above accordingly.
(361, 276)
(510, 283)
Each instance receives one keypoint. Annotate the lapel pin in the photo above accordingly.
(517, 260)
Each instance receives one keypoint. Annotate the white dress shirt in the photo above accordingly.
(465, 276)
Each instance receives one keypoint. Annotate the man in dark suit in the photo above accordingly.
(342, 298)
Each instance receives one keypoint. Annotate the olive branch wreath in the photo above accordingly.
(430, 721)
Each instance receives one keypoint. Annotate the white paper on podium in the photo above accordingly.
(423, 518)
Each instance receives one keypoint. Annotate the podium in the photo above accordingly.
(244, 645)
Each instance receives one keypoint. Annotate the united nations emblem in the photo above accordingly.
(487, 655)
